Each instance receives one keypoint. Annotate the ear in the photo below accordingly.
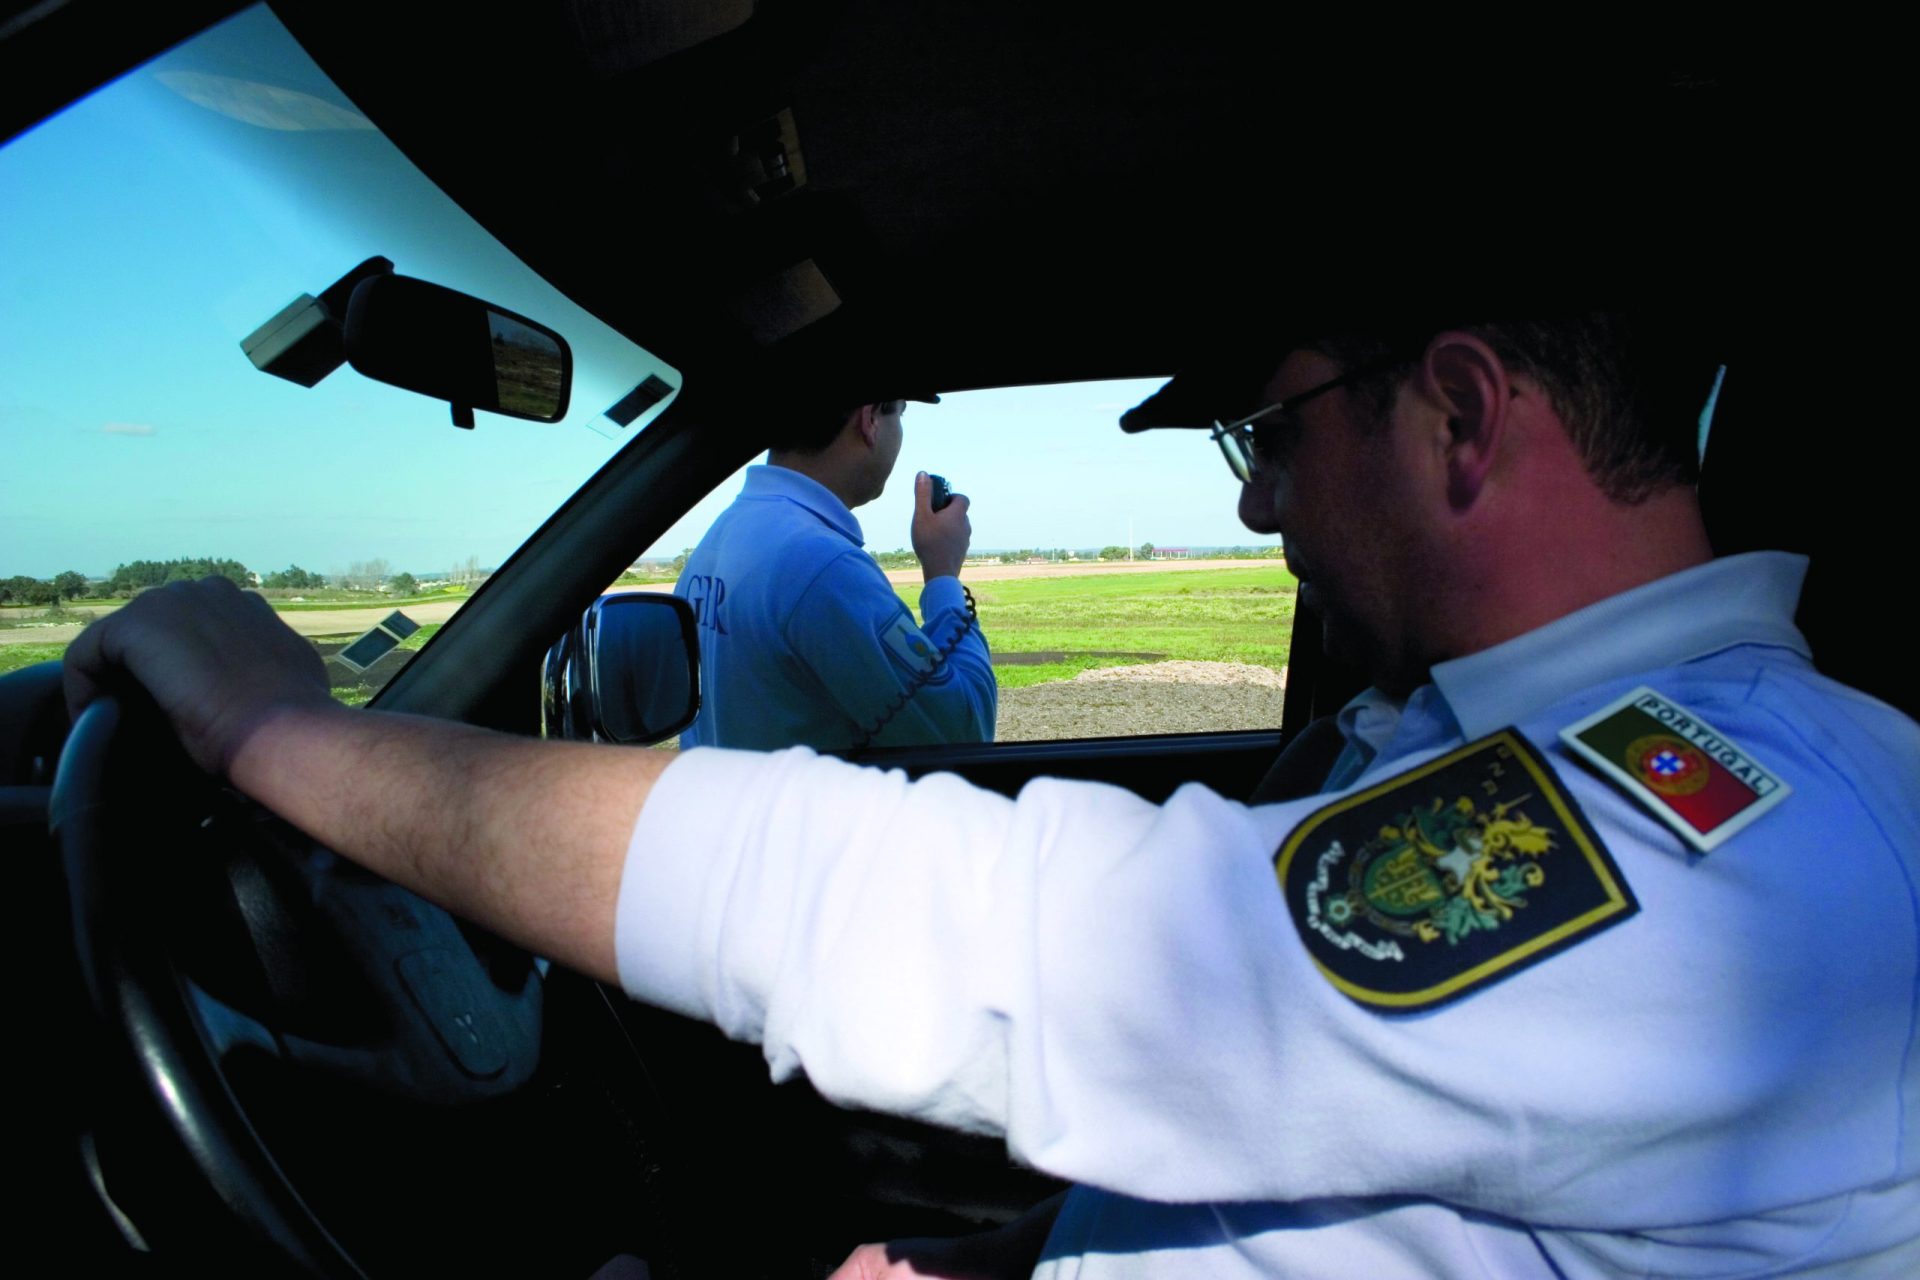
(1463, 376)
(867, 423)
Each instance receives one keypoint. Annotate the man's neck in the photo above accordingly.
(823, 469)
(1578, 552)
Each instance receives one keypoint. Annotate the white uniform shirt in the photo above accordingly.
(1718, 1085)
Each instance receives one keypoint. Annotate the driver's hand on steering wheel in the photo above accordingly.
(215, 658)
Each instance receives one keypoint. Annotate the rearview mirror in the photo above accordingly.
(629, 672)
(419, 337)
(457, 348)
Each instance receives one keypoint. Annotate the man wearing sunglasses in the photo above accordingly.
(1598, 956)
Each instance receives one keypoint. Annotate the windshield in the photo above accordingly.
(149, 230)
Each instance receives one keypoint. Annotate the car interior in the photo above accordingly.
(783, 201)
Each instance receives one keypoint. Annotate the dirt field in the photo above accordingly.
(1155, 697)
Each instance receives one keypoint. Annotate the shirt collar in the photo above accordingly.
(1734, 600)
(766, 480)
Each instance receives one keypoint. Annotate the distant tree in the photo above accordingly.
(404, 584)
(1146, 551)
(71, 585)
(14, 590)
(679, 565)
(41, 593)
(1113, 553)
(364, 575)
(467, 573)
(294, 578)
(129, 578)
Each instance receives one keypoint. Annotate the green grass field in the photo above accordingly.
(1210, 615)
(1207, 615)
(15, 656)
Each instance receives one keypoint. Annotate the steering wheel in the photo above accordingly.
(297, 955)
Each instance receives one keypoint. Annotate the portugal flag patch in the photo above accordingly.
(1454, 874)
(1688, 773)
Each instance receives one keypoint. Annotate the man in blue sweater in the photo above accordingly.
(802, 639)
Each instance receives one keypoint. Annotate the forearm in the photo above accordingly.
(524, 837)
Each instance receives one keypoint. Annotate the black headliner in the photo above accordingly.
(1016, 192)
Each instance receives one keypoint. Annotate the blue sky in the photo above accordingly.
(151, 228)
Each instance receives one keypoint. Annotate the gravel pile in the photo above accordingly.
(1154, 697)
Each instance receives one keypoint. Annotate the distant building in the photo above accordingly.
(1173, 553)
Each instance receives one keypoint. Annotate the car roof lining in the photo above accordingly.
(1006, 194)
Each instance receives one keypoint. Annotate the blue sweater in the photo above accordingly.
(803, 641)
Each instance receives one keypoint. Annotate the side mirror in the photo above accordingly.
(455, 347)
(629, 672)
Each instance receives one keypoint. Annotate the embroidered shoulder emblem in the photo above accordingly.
(1676, 764)
(1450, 876)
(907, 645)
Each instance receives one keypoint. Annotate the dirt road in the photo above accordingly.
(1077, 569)
(312, 622)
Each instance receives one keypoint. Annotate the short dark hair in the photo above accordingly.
(813, 431)
(1628, 388)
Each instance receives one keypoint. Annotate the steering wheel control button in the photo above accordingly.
(447, 993)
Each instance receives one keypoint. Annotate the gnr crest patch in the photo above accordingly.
(1448, 877)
